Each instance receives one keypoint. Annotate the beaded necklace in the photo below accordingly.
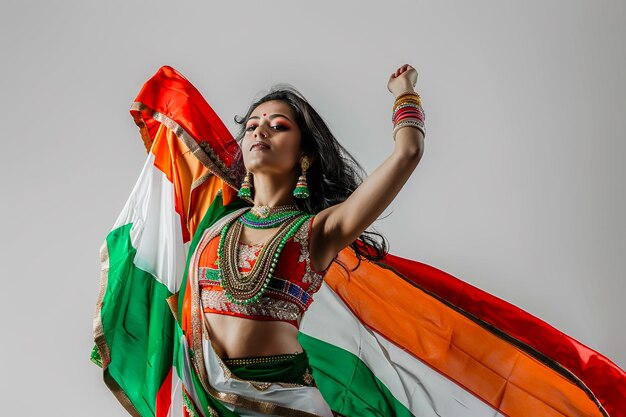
(247, 288)
(264, 217)
(271, 221)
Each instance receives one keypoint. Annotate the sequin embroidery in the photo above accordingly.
(310, 276)
(268, 307)
(248, 254)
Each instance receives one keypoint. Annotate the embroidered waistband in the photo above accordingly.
(263, 359)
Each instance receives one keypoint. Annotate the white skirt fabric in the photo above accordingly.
(301, 398)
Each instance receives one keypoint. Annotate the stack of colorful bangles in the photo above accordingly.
(408, 111)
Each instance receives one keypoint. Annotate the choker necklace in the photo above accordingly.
(265, 211)
(265, 217)
(247, 288)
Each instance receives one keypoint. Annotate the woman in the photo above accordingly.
(296, 169)
(273, 152)
(238, 338)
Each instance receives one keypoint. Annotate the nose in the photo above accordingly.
(259, 132)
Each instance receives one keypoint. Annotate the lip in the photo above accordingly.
(259, 145)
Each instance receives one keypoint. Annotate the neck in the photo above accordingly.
(273, 191)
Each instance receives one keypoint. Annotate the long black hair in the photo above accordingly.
(334, 173)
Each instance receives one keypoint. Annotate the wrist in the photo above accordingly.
(398, 93)
(408, 111)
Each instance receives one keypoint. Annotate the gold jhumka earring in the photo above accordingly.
(245, 191)
(302, 190)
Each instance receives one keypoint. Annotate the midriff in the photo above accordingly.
(237, 337)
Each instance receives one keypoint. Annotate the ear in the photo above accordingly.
(309, 157)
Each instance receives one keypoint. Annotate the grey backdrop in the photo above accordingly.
(520, 191)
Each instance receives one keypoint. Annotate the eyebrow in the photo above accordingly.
(271, 116)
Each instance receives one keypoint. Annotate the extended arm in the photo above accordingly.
(338, 226)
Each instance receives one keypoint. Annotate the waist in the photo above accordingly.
(235, 337)
(284, 369)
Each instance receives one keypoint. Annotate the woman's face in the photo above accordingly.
(271, 143)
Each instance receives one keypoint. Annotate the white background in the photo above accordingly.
(520, 191)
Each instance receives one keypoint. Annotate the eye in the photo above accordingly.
(279, 127)
(250, 128)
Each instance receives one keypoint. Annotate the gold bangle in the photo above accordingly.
(403, 100)
(412, 95)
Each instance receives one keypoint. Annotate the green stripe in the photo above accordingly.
(137, 323)
(347, 384)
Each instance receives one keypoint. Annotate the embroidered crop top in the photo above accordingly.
(289, 292)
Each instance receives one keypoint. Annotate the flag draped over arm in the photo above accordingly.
(393, 338)
(143, 256)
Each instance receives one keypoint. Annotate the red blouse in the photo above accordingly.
(289, 292)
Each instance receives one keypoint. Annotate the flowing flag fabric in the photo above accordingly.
(393, 338)
(143, 257)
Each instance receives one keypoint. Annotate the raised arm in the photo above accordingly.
(338, 226)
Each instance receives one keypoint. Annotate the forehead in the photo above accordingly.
(273, 106)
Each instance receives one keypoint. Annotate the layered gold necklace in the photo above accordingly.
(248, 287)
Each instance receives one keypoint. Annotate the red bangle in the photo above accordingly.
(408, 111)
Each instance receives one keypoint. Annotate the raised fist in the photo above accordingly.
(403, 80)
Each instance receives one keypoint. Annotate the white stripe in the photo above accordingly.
(156, 232)
(415, 385)
(176, 409)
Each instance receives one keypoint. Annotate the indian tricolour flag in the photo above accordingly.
(397, 338)
(142, 260)
(143, 256)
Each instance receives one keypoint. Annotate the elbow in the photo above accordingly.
(408, 159)
(412, 153)
(416, 152)
(410, 144)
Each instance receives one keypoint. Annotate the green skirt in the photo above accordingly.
(286, 369)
